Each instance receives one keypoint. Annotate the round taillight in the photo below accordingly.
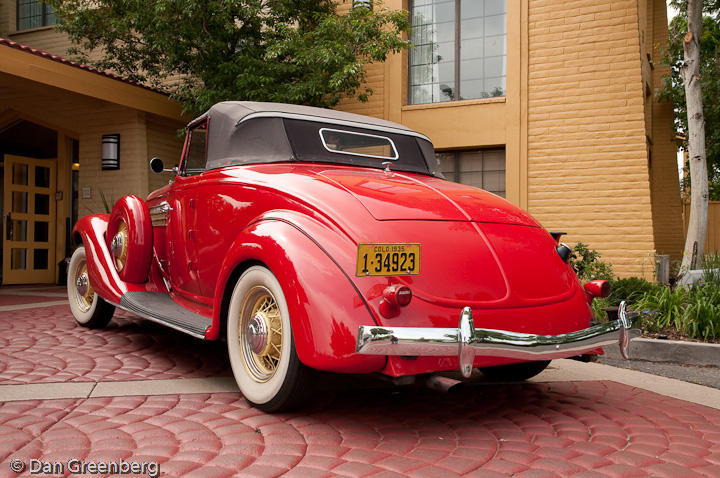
(597, 288)
(398, 295)
(394, 297)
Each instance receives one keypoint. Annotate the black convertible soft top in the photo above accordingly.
(244, 132)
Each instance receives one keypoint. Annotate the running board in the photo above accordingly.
(159, 307)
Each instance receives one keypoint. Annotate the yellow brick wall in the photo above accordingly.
(665, 184)
(44, 38)
(47, 39)
(374, 80)
(8, 17)
(163, 142)
(587, 157)
(132, 177)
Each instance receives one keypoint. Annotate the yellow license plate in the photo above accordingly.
(388, 260)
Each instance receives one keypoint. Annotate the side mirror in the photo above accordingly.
(157, 165)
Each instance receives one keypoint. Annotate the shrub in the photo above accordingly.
(630, 290)
(662, 308)
(598, 306)
(711, 269)
(701, 318)
(587, 264)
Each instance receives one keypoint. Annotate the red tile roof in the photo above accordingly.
(60, 59)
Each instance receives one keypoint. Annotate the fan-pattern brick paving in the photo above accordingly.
(44, 345)
(530, 430)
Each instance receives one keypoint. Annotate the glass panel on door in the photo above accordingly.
(20, 174)
(42, 177)
(42, 204)
(20, 202)
(19, 258)
(41, 233)
(40, 259)
(17, 231)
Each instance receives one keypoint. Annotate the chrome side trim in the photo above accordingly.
(158, 214)
(466, 341)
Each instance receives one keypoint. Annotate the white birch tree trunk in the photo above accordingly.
(690, 72)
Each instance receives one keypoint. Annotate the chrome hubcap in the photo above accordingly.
(84, 293)
(119, 246)
(260, 334)
(257, 334)
(81, 285)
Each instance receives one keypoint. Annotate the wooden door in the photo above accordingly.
(29, 222)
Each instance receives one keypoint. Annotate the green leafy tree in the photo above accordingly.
(288, 51)
(673, 87)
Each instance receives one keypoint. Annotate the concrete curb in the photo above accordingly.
(674, 351)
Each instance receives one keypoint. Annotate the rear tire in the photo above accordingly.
(261, 346)
(88, 308)
(516, 372)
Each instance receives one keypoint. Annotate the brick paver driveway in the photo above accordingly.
(139, 393)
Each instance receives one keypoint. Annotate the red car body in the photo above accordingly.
(304, 221)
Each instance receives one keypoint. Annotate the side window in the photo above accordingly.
(197, 148)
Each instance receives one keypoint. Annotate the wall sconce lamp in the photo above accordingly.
(111, 151)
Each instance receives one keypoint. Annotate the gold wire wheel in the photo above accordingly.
(84, 293)
(119, 246)
(260, 334)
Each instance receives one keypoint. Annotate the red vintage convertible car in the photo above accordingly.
(317, 239)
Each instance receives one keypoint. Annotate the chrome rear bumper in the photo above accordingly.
(466, 341)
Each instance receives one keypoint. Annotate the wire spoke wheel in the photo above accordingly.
(88, 308)
(260, 334)
(119, 246)
(260, 344)
(83, 292)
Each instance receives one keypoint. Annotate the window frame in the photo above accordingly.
(202, 121)
(457, 173)
(395, 156)
(457, 39)
(44, 15)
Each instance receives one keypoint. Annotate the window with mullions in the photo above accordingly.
(459, 50)
(482, 168)
(34, 14)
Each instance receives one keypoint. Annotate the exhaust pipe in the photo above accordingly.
(442, 384)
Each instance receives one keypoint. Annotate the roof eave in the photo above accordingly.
(72, 77)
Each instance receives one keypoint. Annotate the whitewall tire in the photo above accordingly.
(260, 343)
(88, 308)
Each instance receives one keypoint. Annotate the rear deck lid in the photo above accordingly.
(402, 196)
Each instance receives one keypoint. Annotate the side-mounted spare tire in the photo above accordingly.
(129, 239)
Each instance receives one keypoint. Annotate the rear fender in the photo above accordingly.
(325, 308)
(104, 278)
